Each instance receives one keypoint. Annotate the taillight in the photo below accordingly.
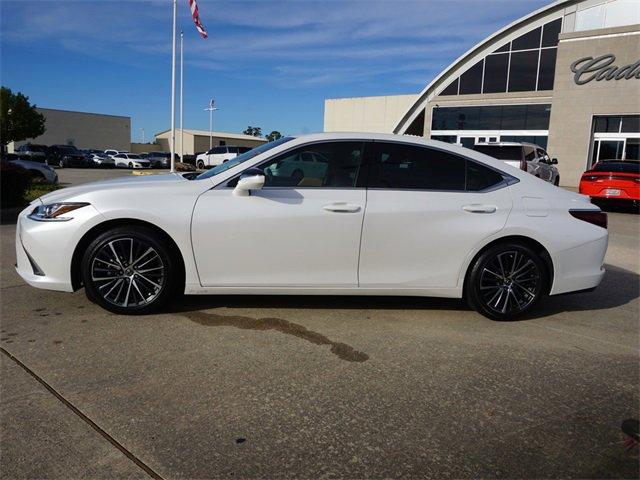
(589, 178)
(637, 179)
(595, 217)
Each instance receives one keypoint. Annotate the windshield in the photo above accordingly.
(511, 152)
(243, 158)
(134, 156)
(68, 149)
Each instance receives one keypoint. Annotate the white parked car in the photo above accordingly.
(130, 160)
(218, 155)
(389, 215)
(526, 156)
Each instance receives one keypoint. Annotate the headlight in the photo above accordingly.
(54, 211)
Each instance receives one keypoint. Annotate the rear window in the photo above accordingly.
(511, 152)
(623, 167)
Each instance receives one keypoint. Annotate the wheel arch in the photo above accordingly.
(535, 245)
(89, 236)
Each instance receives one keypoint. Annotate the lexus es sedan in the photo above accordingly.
(390, 215)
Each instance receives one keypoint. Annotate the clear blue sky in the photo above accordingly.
(267, 63)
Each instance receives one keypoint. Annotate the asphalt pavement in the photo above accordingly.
(309, 387)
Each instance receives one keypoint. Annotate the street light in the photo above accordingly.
(142, 132)
(211, 108)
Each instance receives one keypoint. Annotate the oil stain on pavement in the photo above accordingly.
(342, 350)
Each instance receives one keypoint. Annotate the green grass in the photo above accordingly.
(36, 190)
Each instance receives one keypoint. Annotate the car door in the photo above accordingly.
(291, 233)
(427, 210)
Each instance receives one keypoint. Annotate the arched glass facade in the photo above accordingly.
(525, 64)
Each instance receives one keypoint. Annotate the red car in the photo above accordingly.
(613, 180)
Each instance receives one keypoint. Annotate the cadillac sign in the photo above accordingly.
(602, 68)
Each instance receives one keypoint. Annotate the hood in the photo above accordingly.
(133, 181)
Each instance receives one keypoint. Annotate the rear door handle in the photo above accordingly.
(478, 208)
(341, 207)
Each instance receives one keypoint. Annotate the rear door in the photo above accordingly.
(427, 209)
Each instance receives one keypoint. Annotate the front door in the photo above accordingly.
(299, 230)
(427, 209)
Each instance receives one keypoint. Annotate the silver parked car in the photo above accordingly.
(526, 156)
(40, 172)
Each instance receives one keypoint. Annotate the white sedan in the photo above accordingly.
(130, 160)
(389, 215)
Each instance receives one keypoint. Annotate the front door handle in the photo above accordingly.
(478, 208)
(341, 207)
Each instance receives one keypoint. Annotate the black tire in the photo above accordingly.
(556, 182)
(37, 177)
(131, 165)
(200, 165)
(139, 287)
(510, 269)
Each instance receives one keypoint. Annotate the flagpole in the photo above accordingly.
(173, 89)
(181, 99)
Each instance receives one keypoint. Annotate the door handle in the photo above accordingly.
(341, 207)
(478, 208)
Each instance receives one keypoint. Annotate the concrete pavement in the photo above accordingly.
(307, 387)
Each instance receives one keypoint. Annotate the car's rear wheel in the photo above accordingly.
(505, 281)
(129, 270)
(200, 165)
(556, 182)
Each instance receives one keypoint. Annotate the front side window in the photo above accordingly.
(399, 166)
(329, 165)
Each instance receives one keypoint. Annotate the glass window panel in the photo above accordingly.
(513, 117)
(633, 149)
(471, 80)
(467, 142)
(547, 68)
(538, 117)
(524, 69)
(452, 88)
(490, 118)
(594, 153)
(505, 48)
(528, 40)
(444, 138)
(495, 73)
(417, 126)
(550, 33)
(611, 150)
(331, 164)
(631, 124)
(416, 168)
(480, 177)
(540, 140)
(607, 124)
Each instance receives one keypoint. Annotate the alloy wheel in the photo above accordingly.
(510, 282)
(128, 272)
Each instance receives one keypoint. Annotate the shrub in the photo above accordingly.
(14, 181)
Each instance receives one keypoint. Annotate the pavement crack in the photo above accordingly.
(148, 470)
(341, 350)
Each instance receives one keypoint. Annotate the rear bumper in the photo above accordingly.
(580, 268)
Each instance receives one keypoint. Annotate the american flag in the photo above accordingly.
(196, 18)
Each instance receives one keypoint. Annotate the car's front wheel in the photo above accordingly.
(505, 281)
(200, 165)
(129, 270)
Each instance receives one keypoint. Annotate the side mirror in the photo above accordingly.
(554, 161)
(250, 180)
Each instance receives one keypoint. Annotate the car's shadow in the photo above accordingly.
(618, 288)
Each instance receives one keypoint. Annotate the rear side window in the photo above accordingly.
(480, 177)
(410, 167)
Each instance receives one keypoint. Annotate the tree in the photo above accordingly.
(19, 119)
(253, 131)
(274, 135)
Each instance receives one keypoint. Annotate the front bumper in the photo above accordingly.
(50, 246)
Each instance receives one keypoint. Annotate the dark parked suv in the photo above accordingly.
(67, 156)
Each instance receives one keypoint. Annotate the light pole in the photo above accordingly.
(181, 90)
(211, 108)
(173, 89)
(142, 134)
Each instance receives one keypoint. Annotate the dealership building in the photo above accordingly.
(566, 77)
